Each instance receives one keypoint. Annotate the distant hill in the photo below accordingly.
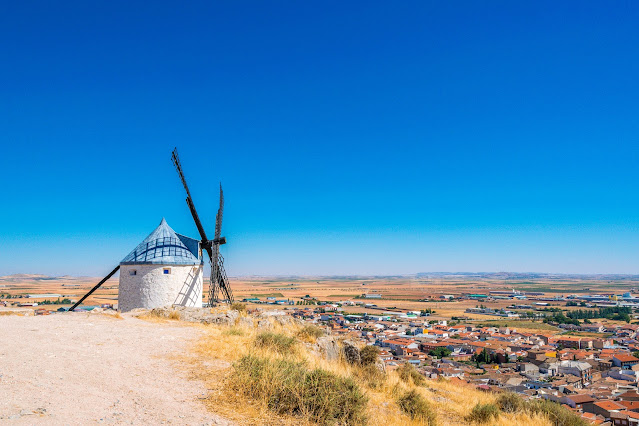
(527, 276)
(23, 277)
(36, 277)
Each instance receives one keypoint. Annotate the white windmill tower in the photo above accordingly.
(163, 270)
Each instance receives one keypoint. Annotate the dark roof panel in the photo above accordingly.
(165, 247)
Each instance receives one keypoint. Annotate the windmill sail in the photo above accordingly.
(218, 216)
(105, 279)
(219, 286)
(219, 280)
(189, 201)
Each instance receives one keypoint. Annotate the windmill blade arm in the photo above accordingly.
(219, 281)
(223, 280)
(219, 216)
(178, 167)
(105, 279)
(189, 200)
(198, 224)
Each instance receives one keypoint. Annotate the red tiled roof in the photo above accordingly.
(609, 405)
(581, 398)
(626, 358)
(401, 342)
(630, 405)
(629, 394)
(435, 344)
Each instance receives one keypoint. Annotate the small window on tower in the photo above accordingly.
(167, 271)
(133, 272)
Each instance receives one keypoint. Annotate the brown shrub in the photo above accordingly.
(310, 333)
(415, 406)
(237, 306)
(369, 355)
(275, 342)
(290, 388)
(483, 413)
(408, 374)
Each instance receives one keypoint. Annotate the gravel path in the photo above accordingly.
(79, 368)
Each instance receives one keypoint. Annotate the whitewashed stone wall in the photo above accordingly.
(151, 288)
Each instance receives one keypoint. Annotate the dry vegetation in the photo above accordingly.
(19, 313)
(276, 377)
(519, 324)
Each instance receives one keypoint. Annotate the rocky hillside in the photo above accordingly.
(268, 368)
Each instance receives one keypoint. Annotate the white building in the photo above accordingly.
(372, 296)
(163, 270)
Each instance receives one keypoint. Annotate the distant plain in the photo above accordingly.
(411, 292)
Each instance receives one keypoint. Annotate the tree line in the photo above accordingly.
(615, 313)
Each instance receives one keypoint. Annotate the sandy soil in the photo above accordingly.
(83, 369)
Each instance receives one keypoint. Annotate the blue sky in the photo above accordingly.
(350, 137)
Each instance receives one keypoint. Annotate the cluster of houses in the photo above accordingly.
(269, 301)
(594, 376)
(495, 312)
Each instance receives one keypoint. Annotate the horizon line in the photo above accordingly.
(413, 274)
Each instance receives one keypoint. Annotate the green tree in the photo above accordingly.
(440, 352)
(483, 357)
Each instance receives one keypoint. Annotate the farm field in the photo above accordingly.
(416, 292)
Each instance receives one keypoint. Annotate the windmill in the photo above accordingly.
(219, 286)
(166, 267)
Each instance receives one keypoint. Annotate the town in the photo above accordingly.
(595, 373)
(578, 348)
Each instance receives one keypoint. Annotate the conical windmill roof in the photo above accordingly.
(164, 246)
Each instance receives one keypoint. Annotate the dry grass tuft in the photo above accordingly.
(276, 342)
(557, 414)
(409, 374)
(310, 333)
(152, 316)
(291, 388)
(371, 376)
(234, 331)
(18, 313)
(417, 408)
(483, 413)
(240, 307)
(115, 316)
(510, 402)
(369, 354)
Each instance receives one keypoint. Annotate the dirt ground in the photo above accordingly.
(79, 368)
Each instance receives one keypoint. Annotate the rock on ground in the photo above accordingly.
(264, 324)
(246, 322)
(351, 352)
(201, 315)
(328, 347)
(332, 348)
(380, 365)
